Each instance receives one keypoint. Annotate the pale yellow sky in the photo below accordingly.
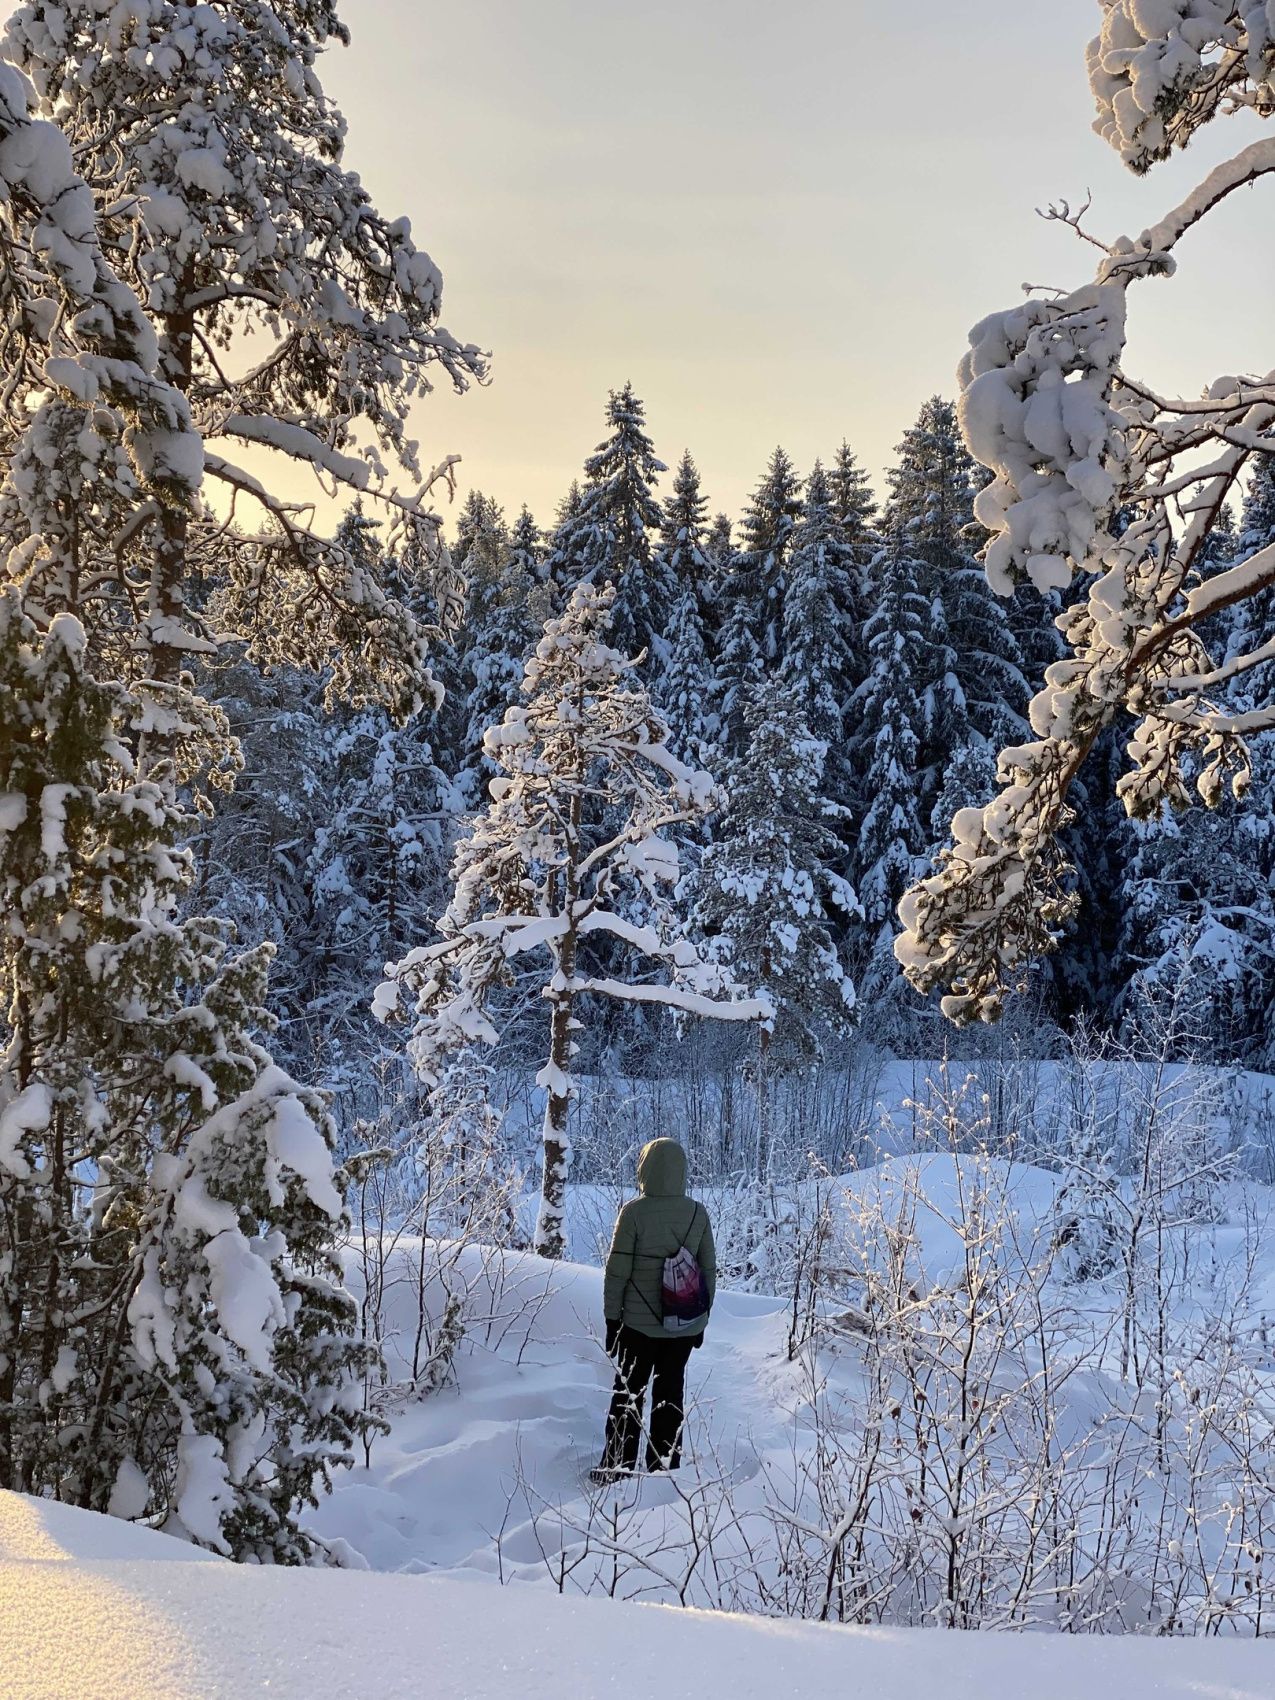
(777, 222)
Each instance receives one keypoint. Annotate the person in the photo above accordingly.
(651, 1227)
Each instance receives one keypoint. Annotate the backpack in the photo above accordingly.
(684, 1290)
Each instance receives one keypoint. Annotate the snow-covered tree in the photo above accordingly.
(379, 856)
(684, 680)
(976, 690)
(853, 502)
(1250, 623)
(295, 321)
(478, 556)
(1198, 908)
(614, 535)
(565, 562)
(767, 895)
(174, 1339)
(1089, 1224)
(1102, 478)
(752, 589)
(888, 731)
(575, 829)
(822, 663)
(501, 636)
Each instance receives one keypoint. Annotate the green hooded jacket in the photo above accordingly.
(650, 1228)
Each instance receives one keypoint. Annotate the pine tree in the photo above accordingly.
(289, 314)
(573, 834)
(767, 896)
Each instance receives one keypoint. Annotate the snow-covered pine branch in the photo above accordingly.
(289, 313)
(1098, 477)
(585, 792)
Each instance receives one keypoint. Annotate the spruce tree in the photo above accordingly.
(855, 509)
(820, 639)
(888, 739)
(751, 595)
(174, 1339)
(500, 641)
(976, 689)
(478, 555)
(565, 562)
(616, 529)
(767, 895)
(684, 681)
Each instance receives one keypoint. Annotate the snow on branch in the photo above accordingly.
(1098, 478)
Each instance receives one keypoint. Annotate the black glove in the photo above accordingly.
(698, 1341)
(613, 1337)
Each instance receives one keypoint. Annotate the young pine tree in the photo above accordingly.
(574, 832)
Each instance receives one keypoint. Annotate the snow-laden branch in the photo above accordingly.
(298, 443)
(1099, 478)
(674, 997)
(1256, 160)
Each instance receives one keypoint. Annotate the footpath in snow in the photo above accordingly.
(93, 1610)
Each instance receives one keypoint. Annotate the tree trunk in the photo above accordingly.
(550, 1226)
(551, 1240)
(764, 1112)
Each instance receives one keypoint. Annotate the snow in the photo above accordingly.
(297, 1144)
(95, 1609)
(29, 1112)
(147, 1626)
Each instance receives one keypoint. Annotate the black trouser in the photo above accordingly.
(638, 1359)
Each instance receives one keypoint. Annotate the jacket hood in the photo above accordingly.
(661, 1170)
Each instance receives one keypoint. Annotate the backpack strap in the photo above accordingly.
(658, 1315)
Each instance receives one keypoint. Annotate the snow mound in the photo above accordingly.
(90, 1628)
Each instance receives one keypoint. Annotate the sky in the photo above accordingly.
(777, 222)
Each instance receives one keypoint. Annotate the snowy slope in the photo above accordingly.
(487, 1476)
(78, 1625)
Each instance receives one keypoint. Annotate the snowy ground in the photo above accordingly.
(90, 1611)
(485, 1481)
(488, 1476)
